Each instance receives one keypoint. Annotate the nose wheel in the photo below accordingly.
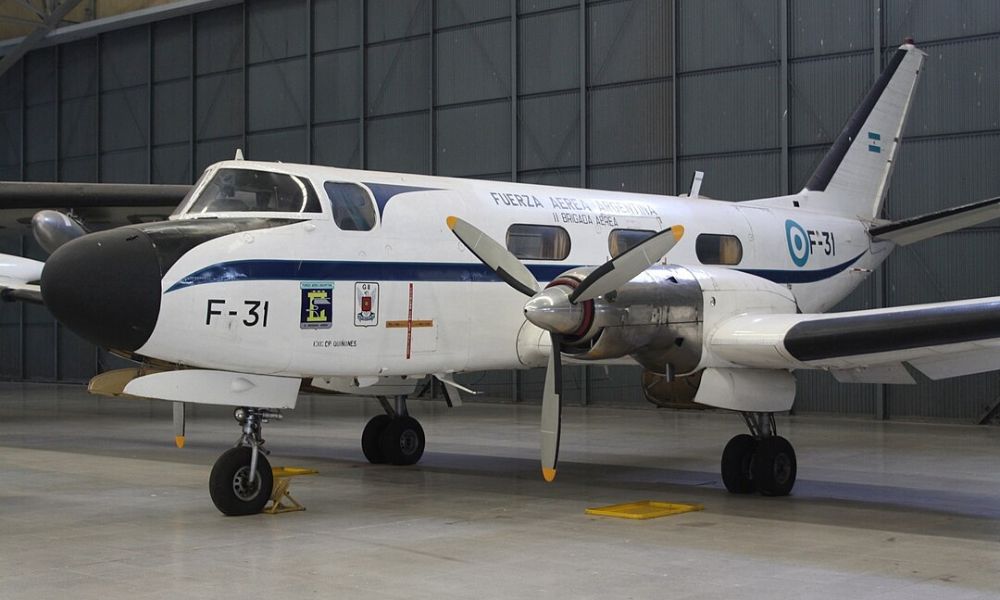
(393, 438)
(241, 481)
(762, 461)
(233, 491)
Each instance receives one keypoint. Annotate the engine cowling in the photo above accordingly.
(659, 319)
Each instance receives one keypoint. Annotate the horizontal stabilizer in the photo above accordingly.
(933, 224)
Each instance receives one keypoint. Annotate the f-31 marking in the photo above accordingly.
(255, 310)
(823, 239)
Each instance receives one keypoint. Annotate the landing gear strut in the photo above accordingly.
(241, 480)
(762, 461)
(395, 438)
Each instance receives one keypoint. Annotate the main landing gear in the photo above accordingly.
(762, 461)
(241, 480)
(395, 438)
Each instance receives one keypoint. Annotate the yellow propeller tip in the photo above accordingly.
(451, 222)
(678, 231)
(549, 474)
(179, 440)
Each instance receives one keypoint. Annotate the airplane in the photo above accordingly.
(269, 279)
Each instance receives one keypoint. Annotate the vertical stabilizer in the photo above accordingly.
(853, 177)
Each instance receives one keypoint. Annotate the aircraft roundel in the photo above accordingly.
(798, 243)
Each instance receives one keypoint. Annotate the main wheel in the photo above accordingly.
(774, 466)
(230, 486)
(402, 442)
(737, 459)
(370, 438)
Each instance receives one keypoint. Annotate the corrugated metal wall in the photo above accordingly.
(566, 92)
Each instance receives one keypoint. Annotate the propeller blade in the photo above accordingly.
(495, 256)
(623, 268)
(552, 411)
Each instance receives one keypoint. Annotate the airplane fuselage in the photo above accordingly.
(307, 298)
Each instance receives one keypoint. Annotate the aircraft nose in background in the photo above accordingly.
(105, 287)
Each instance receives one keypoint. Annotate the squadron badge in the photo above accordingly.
(317, 305)
(365, 304)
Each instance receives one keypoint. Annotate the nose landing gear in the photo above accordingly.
(762, 461)
(241, 479)
(395, 437)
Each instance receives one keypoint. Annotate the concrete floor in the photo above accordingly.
(97, 503)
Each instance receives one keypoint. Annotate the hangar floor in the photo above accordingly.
(97, 503)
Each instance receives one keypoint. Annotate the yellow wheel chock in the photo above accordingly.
(279, 494)
(645, 509)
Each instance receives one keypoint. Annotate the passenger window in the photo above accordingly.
(351, 205)
(538, 242)
(715, 249)
(623, 240)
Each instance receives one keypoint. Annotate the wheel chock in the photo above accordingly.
(644, 509)
(279, 494)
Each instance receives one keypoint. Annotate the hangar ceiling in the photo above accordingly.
(19, 18)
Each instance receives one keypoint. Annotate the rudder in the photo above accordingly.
(853, 177)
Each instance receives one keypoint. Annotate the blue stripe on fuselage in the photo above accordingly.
(325, 270)
(785, 276)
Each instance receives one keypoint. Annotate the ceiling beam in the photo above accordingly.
(33, 39)
(87, 29)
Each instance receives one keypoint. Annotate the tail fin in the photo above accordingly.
(854, 175)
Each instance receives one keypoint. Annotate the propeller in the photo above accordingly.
(559, 309)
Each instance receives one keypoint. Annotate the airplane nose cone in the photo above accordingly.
(105, 287)
(551, 310)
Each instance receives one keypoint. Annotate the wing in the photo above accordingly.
(941, 340)
(97, 204)
(18, 277)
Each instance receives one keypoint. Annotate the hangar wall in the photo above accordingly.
(628, 95)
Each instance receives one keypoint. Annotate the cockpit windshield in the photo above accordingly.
(247, 190)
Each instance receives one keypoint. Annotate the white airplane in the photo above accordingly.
(272, 278)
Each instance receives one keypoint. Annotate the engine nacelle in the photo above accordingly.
(676, 392)
(660, 318)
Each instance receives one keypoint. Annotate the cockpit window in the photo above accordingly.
(246, 190)
(352, 208)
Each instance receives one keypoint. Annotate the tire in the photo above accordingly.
(228, 483)
(737, 462)
(774, 467)
(370, 438)
(402, 442)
